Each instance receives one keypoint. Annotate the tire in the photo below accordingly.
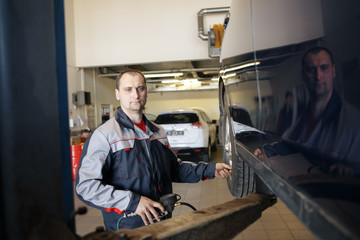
(242, 181)
(214, 147)
(206, 156)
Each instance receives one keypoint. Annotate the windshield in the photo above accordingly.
(177, 118)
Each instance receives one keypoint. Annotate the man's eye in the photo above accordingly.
(128, 89)
(311, 70)
(324, 67)
(141, 89)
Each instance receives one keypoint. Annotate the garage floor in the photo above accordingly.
(277, 222)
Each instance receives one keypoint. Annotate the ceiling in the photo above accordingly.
(197, 74)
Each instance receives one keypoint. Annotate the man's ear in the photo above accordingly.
(117, 94)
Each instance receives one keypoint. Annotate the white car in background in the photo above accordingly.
(191, 133)
(150, 117)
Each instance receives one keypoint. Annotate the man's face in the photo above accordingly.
(85, 134)
(132, 93)
(319, 73)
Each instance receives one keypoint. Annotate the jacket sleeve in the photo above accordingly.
(90, 187)
(277, 148)
(189, 172)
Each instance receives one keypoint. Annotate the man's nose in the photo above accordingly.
(135, 93)
(318, 73)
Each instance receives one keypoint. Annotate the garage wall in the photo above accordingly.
(113, 32)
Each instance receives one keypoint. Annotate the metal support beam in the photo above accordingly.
(223, 221)
(35, 171)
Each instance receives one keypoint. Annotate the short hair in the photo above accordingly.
(128, 71)
(85, 130)
(316, 50)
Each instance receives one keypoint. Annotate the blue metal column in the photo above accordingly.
(35, 170)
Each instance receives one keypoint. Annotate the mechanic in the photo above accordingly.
(127, 164)
(84, 134)
(328, 134)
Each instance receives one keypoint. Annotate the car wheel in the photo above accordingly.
(206, 156)
(242, 181)
(214, 147)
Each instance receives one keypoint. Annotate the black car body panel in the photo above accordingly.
(264, 96)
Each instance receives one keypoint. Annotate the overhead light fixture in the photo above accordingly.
(170, 81)
(210, 72)
(240, 67)
(159, 75)
(190, 80)
(191, 83)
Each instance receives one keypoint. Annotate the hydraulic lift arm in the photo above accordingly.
(223, 221)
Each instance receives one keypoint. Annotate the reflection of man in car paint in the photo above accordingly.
(328, 134)
(285, 115)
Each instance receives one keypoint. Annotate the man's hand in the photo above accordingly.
(342, 170)
(258, 153)
(222, 170)
(146, 210)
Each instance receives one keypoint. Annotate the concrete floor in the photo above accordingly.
(276, 222)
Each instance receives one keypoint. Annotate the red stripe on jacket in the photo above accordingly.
(114, 210)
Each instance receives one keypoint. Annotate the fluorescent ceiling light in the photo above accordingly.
(190, 80)
(159, 75)
(210, 72)
(241, 67)
(170, 81)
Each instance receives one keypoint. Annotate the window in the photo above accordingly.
(172, 118)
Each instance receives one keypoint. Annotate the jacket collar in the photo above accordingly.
(333, 107)
(331, 111)
(125, 122)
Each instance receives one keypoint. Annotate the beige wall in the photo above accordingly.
(113, 32)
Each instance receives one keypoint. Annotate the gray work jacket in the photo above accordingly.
(120, 163)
